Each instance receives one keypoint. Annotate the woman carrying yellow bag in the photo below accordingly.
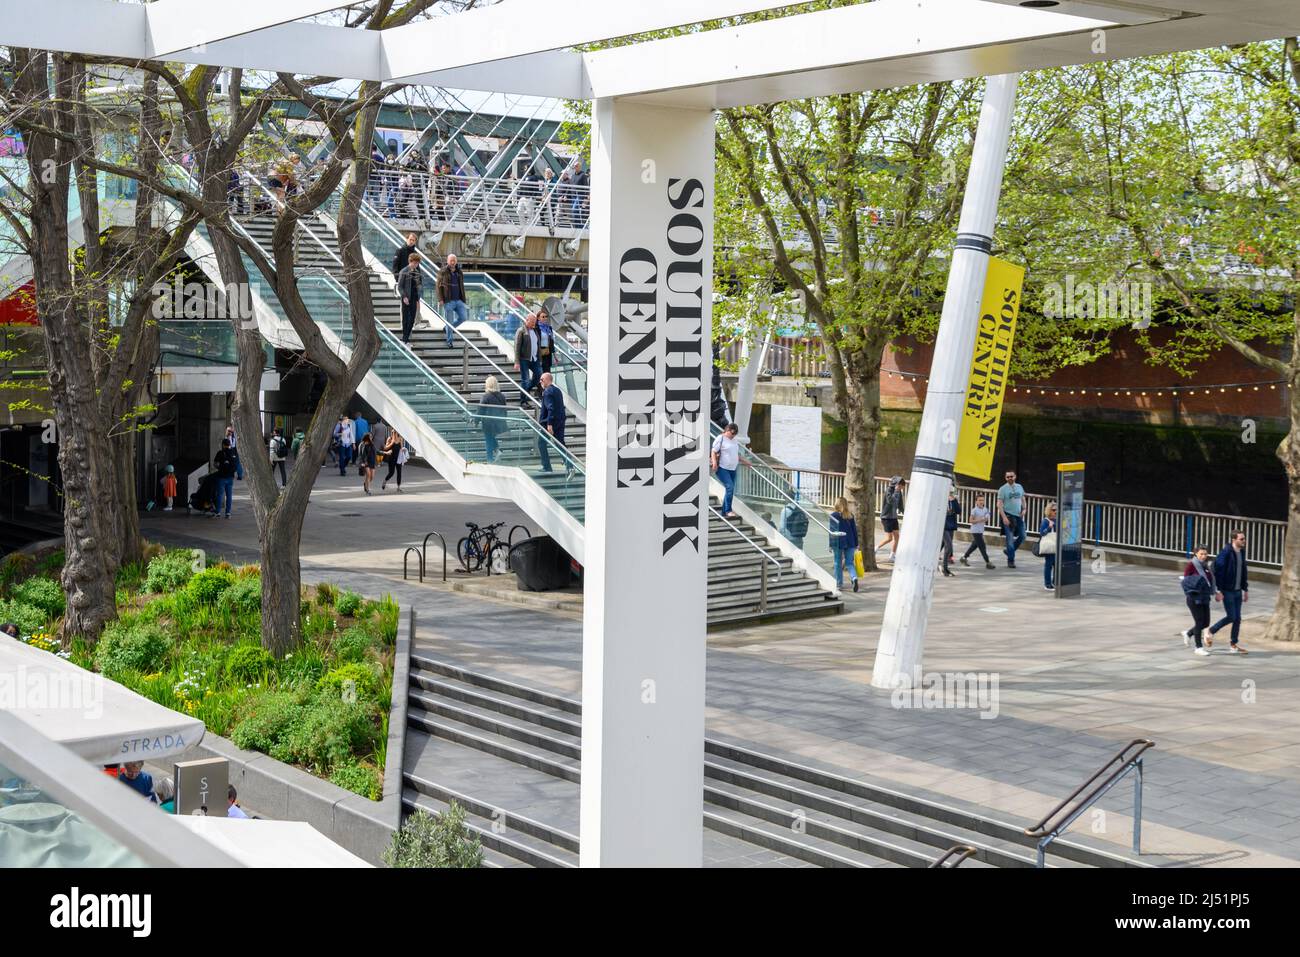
(844, 542)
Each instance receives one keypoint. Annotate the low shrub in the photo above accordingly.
(349, 679)
(51, 564)
(43, 593)
(435, 840)
(249, 664)
(360, 779)
(349, 603)
(210, 584)
(170, 570)
(137, 646)
(326, 594)
(352, 644)
(263, 720)
(248, 571)
(244, 597)
(302, 668)
(329, 732)
(387, 619)
(28, 618)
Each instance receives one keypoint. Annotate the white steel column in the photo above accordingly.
(902, 633)
(650, 369)
(756, 344)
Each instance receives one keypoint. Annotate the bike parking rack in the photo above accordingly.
(510, 539)
(406, 558)
(423, 558)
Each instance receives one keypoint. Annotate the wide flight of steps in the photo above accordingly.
(735, 589)
(510, 756)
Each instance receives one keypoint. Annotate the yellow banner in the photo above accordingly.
(987, 386)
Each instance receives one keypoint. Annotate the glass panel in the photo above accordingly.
(798, 518)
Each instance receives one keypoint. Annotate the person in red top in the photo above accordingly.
(169, 487)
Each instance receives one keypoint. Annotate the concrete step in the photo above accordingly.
(498, 745)
(517, 849)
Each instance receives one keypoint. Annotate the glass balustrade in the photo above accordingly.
(803, 523)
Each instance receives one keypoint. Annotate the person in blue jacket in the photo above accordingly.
(1199, 587)
(1234, 587)
(1046, 526)
(950, 520)
(844, 541)
(550, 418)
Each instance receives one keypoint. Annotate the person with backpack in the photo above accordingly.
(844, 541)
(1199, 588)
(279, 449)
(794, 523)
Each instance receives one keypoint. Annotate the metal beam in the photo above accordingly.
(175, 25)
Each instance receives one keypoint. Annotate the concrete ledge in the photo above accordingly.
(395, 753)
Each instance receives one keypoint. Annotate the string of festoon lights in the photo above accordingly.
(1046, 389)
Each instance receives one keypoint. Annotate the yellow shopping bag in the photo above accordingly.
(857, 562)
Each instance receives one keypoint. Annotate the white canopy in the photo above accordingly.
(98, 719)
(260, 843)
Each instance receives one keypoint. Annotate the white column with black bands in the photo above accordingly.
(902, 633)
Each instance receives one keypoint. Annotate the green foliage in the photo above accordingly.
(210, 584)
(249, 664)
(326, 594)
(50, 564)
(15, 567)
(138, 647)
(131, 576)
(353, 677)
(352, 644)
(169, 571)
(302, 668)
(387, 620)
(43, 593)
(264, 719)
(244, 596)
(328, 732)
(435, 840)
(348, 603)
(28, 618)
(360, 779)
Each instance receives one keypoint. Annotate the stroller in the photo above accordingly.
(204, 498)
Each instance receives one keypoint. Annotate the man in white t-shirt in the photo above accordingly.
(725, 461)
(233, 809)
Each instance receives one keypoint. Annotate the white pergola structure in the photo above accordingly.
(651, 282)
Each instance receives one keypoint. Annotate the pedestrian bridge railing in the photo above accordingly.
(1163, 531)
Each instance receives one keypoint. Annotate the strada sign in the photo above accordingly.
(990, 363)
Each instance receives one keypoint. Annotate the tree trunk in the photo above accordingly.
(125, 509)
(862, 387)
(1285, 623)
(281, 578)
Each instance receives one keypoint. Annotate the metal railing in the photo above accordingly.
(1143, 528)
(477, 204)
(1127, 760)
(765, 559)
(953, 857)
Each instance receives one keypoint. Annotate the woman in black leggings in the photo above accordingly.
(394, 454)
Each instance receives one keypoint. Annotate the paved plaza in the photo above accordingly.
(1075, 680)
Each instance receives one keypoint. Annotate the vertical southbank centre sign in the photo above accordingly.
(990, 364)
(659, 414)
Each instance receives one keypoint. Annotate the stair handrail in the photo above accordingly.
(752, 544)
(494, 288)
(1048, 829)
(956, 854)
(749, 459)
(468, 410)
(426, 269)
(465, 340)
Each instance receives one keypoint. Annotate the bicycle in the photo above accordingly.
(480, 544)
